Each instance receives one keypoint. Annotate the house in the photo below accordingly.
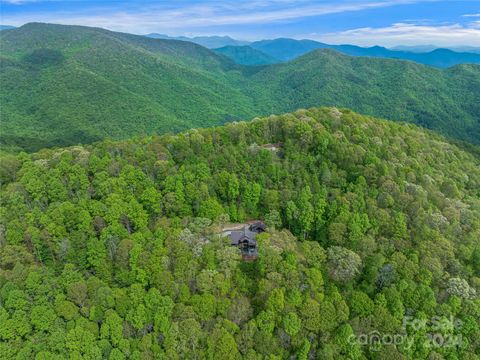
(244, 239)
(272, 147)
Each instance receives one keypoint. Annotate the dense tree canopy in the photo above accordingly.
(111, 250)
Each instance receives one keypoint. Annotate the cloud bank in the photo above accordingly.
(407, 34)
(154, 17)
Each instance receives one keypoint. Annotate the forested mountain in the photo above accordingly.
(211, 42)
(110, 250)
(285, 49)
(71, 84)
(447, 100)
(246, 55)
(65, 85)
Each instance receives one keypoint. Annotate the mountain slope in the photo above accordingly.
(444, 100)
(66, 85)
(246, 55)
(286, 49)
(289, 49)
(101, 83)
(112, 250)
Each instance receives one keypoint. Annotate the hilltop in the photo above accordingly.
(69, 84)
(110, 250)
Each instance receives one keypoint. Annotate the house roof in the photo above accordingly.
(245, 234)
(257, 227)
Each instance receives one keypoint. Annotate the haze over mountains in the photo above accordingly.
(210, 42)
(68, 84)
(288, 49)
(428, 48)
(285, 49)
(6, 27)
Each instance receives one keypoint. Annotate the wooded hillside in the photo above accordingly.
(109, 251)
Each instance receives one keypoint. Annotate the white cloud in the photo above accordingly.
(164, 17)
(471, 15)
(407, 34)
(20, 2)
(203, 17)
(15, 2)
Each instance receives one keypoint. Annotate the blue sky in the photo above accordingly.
(362, 22)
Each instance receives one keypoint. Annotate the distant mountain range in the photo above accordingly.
(428, 48)
(65, 85)
(6, 27)
(265, 52)
(210, 42)
(285, 49)
(246, 55)
(288, 49)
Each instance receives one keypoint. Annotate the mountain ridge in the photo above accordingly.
(211, 42)
(286, 49)
(246, 55)
(122, 85)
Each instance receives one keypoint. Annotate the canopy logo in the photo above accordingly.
(437, 332)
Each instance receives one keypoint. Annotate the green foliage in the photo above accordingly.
(246, 55)
(44, 57)
(65, 85)
(361, 304)
(292, 323)
(113, 250)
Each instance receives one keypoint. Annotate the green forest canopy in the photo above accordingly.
(109, 250)
(65, 85)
